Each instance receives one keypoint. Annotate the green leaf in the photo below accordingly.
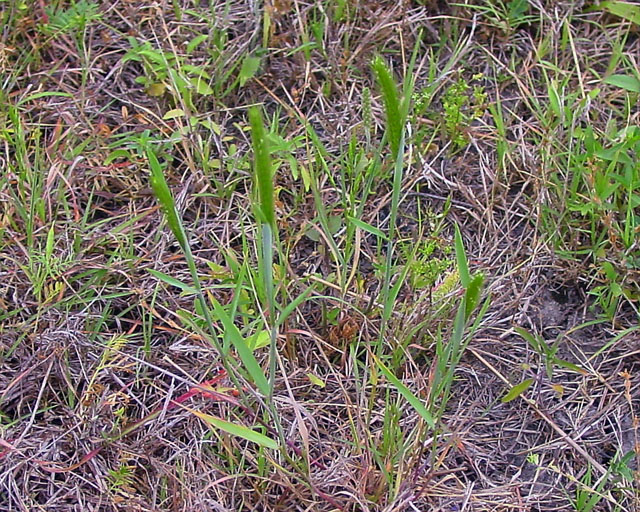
(334, 223)
(238, 430)
(473, 293)
(172, 114)
(554, 98)
(260, 339)
(366, 227)
(195, 42)
(116, 153)
(44, 94)
(284, 314)
(312, 232)
(163, 194)
(516, 391)
(517, 9)
(627, 82)
(625, 10)
(610, 271)
(154, 56)
(196, 70)
(536, 344)
(172, 281)
(415, 402)
(315, 380)
(156, 89)
(306, 178)
(249, 69)
(570, 366)
(48, 251)
(461, 258)
(202, 87)
(244, 351)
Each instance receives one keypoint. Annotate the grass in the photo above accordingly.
(320, 256)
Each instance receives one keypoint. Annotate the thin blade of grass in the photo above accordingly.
(516, 391)
(165, 198)
(367, 227)
(415, 402)
(172, 281)
(461, 259)
(237, 430)
(291, 307)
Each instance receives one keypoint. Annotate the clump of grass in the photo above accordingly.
(266, 217)
(600, 210)
(352, 331)
(215, 310)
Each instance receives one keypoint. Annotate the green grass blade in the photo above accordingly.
(473, 292)
(267, 215)
(627, 82)
(246, 355)
(516, 391)
(461, 258)
(409, 80)
(238, 430)
(625, 10)
(162, 192)
(291, 307)
(48, 251)
(415, 402)
(172, 281)
(367, 227)
(395, 201)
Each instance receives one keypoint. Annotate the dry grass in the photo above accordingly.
(90, 342)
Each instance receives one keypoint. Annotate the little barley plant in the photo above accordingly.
(266, 220)
(448, 353)
(252, 369)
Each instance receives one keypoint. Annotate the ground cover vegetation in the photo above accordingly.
(319, 255)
